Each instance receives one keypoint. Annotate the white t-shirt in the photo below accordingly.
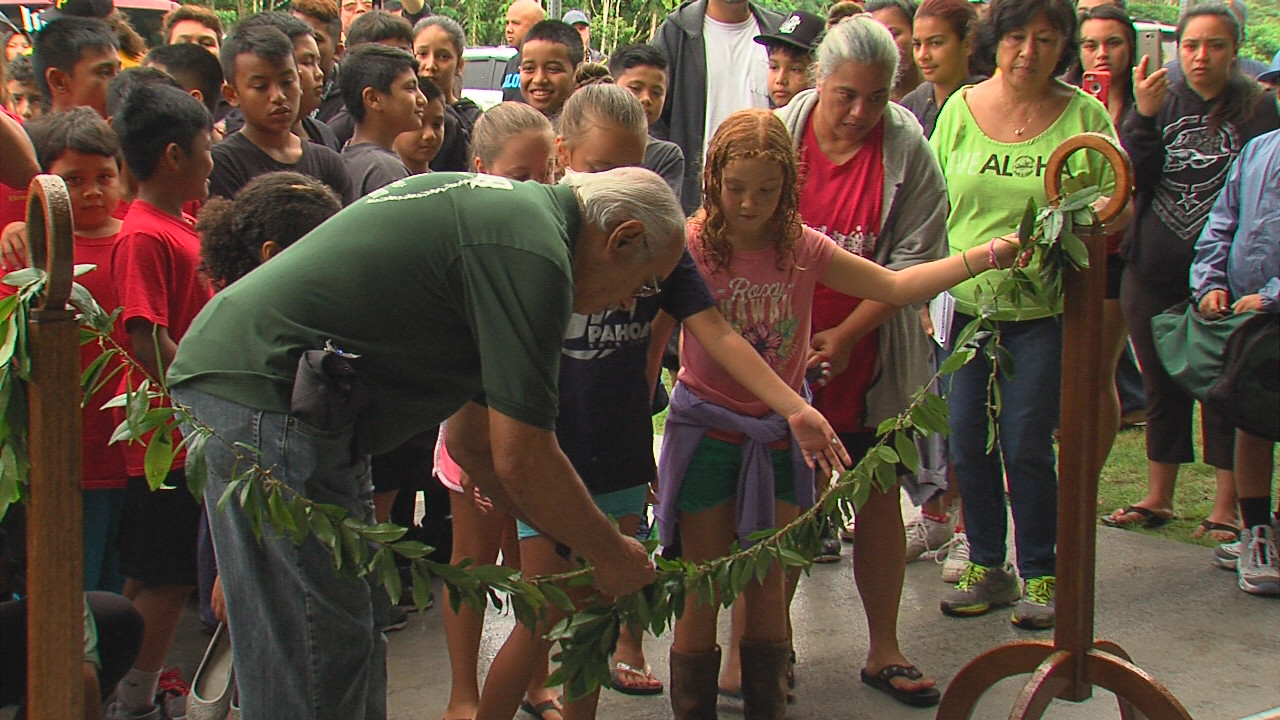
(737, 71)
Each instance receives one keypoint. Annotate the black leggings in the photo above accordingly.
(1169, 408)
(119, 639)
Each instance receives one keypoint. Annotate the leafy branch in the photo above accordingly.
(590, 628)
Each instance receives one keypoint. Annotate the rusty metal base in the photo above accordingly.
(1106, 665)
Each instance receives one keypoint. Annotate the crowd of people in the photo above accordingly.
(358, 279)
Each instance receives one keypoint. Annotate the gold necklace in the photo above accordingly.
(1004, 103)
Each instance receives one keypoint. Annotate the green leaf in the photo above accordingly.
(227, 493)
(886, 454)
(907, 452)
(886, 477)
(118, 401)
(23, 277)
(197, 469)
(1082, 198)
(9, 341)
(352, 545)
(1026, 228)
(791, 558)
(384, 532)
(158, 459)
(301, 522)
(281, 518)
(957, 360)
(887, 425)
(1053, 225)
(411, 549)
(421, 586)
(390, 576)
(1076, 250)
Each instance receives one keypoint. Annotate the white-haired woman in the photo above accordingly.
(993, 141)
(872, 184)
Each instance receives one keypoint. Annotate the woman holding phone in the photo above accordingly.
(1108, 50)
(1182, 137)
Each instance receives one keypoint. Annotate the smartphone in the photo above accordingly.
(1098, 84)
(1149, 44)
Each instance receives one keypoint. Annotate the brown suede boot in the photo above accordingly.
(693, 685)
(764, 679)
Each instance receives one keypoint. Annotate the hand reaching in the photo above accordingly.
(823, 451)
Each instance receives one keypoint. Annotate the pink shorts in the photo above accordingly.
(446, 470)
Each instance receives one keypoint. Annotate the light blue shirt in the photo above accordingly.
(1239, 248)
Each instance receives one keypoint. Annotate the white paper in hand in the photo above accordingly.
(942, 311)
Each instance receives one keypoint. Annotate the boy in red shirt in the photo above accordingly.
(81, 148)
(166, 137)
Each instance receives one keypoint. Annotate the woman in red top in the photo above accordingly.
(871, 183)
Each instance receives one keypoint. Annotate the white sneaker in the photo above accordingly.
(1259, 568)
(957, 558)
(927, 537)
(1227, 555)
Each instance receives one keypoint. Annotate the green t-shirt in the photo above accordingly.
(449, 286)
(988, 182)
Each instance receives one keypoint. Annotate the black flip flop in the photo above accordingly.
(924, 697)
(1150, 518)
(1207, 526)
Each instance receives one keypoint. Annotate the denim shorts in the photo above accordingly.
(712, 476)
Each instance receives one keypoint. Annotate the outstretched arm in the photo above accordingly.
(745, 365)
(853, 275)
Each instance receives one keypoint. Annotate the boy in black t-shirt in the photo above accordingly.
(378, 27)
(379, 86)
(306, 56)
(262, 81)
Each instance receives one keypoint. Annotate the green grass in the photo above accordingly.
(1124, 481)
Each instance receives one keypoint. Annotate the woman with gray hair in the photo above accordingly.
(871, 184)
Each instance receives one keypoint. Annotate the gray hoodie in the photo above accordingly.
(913, 230)
(684, 116)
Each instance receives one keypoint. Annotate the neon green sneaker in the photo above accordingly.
(980, 588)
(1035, 609)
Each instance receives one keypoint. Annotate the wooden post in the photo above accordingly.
(1074, 662)
(55, 555)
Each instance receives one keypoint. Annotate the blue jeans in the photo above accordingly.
(1024, 451)
(304, 638)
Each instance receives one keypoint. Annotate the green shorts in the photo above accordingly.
(712, 476)
(614, 504)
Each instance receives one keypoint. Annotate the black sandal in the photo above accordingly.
(924, 697)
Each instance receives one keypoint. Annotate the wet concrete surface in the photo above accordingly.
(1183, 621)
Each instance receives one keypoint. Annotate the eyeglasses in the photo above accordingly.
(652, 288)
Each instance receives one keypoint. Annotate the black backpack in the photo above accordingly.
(1247, 392)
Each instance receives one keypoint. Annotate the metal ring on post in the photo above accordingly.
(1111, 151)
(49, 238)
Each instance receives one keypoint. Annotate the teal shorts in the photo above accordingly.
(619, 503)
(712, 476)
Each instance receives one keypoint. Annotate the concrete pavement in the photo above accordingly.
(1181, 620)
